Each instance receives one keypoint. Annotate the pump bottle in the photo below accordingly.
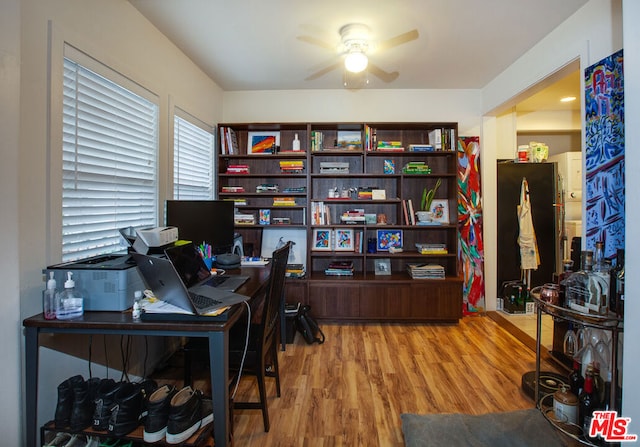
(69, 304)
(49, 299)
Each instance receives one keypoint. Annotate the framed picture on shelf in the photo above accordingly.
(383, 266)
(263, 142)
(274, 238)
(440, 211)
(388, 239)
(344, 239)
(321, 240)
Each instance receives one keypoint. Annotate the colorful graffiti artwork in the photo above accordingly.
(604, 154)
(470, 224)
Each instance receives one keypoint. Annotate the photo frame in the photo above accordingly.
(440, 211)
(383, 266)
(273, 238)
(262, 143)
(388, 239)
(344, 239)
(321, 240)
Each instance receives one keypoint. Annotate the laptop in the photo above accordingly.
(192, 269)
(200, 299)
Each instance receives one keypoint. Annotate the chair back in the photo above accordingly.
(274, 293)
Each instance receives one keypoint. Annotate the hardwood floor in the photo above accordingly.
(351, 390)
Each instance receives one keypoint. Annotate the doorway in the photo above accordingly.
(541, 117)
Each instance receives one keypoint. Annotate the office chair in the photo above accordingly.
(262, 341)
(263, 338)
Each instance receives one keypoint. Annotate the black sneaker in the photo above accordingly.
(105, 398)
(188, 412)
(158, 406)
(62, 417)
(126, 410)
(84, 394)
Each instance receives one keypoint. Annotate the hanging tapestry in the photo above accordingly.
(604, 154)
(470, 224)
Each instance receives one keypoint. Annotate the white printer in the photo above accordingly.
(105, 282)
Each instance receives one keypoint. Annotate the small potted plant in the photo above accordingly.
(424, 215)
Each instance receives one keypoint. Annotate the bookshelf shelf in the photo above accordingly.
(327, 169)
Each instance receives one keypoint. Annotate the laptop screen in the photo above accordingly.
(188, 263)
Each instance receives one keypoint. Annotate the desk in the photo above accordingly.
(120, 323)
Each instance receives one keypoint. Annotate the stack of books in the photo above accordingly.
(295, 271)
(281, 220)
(238, 169)
(294, 190)
(240, 201)
(338, 167)
(339, 268)
(416, 167)
(233, 189)
(432, 249)
(421, 148)
(244, 219)
(353, 216)
(284, 201)
(291, 166)
(267, 187)
(365, 192)
(425, 271)
(390, 146)
(320, 214)
(228, 141)
(317, 140)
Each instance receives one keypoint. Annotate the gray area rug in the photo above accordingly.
(510, 429)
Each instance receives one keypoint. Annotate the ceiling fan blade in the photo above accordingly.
(398, 40)
(383, 75)
(324, 71)
(316, 41)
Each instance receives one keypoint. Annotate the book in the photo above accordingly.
(405, 212)
(412, 214)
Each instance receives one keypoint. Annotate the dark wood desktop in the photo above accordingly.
(121, 323)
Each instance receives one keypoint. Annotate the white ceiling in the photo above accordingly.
(254, 44)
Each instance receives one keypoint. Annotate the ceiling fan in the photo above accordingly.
(354, 50)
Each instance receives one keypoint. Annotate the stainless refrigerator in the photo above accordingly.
(543, 192)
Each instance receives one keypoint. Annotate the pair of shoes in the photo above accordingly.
(75, 403)
(188, 412)
(105, 398)
(158, 406)
(129, 407)
(77, 441)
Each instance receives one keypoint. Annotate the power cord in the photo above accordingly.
(244, 353)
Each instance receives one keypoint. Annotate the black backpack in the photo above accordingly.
(308, 327)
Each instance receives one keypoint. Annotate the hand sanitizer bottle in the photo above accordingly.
(69, 304)
(49, 299)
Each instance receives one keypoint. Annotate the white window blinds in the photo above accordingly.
(109, 163)
(192, 161)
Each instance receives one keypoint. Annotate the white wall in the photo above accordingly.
(114, 33)
(461, 106)
(10, 322)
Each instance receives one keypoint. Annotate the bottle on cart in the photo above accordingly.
(601, 270)
(613, 280)
(49, 299)
(567, 270)
(137, 305)
(587, 402)
(69, 303)
(620, 293)
(577, 284)
(576, 380)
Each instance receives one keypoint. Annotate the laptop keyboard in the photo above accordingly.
(203, 302)
(215, 281)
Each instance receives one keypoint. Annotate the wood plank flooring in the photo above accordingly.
(351, 390)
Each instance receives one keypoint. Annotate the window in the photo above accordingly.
(192, 161)
(109, 162)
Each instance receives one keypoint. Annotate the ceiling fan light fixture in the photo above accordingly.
(356, 61)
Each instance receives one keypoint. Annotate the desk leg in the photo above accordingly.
(31, 385)
(219, 367)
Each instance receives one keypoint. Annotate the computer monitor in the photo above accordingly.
(209, 221)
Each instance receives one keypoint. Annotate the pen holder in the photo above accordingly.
(209, 262)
